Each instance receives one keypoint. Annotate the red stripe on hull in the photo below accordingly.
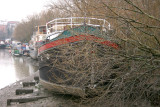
(75, 39)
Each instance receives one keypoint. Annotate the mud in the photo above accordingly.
(49, 100)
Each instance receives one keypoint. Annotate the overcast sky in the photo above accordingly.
(16, 10)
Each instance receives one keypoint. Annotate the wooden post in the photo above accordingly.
(36, 79)
(23, 100)
(27, 84)
(23, 91)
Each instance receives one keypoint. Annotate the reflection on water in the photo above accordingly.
(14, 68)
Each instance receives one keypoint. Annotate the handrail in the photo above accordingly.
(70, 21)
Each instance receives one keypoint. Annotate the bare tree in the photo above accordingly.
(137, 25)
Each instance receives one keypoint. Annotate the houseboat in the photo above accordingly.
(37, 40)
(16, 49)
(73, 54)
(25, 49)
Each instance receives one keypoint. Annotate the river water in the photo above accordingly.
(14, 68)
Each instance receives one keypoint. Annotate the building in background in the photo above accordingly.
(7, 29)
(3, 30)
(11, 25)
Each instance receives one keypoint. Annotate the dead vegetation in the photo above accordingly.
(125, 77)
(129, 76)
(106, 74)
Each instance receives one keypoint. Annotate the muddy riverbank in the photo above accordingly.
(23, 69)
(51, 100)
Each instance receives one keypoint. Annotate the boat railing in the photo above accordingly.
(61, 24)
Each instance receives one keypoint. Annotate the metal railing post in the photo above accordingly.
(47, 29)
(56, 25)
(89, 21)
(109, 26)
(104, 22)
(71, 22)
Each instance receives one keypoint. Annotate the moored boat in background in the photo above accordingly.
(16, 49)
(36, 41)
(25, 49)
(73, 54)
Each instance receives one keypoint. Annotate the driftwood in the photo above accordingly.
(23, 91)
(23, 100)
(27, 84)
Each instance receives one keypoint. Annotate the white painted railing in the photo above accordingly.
(61, 24)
